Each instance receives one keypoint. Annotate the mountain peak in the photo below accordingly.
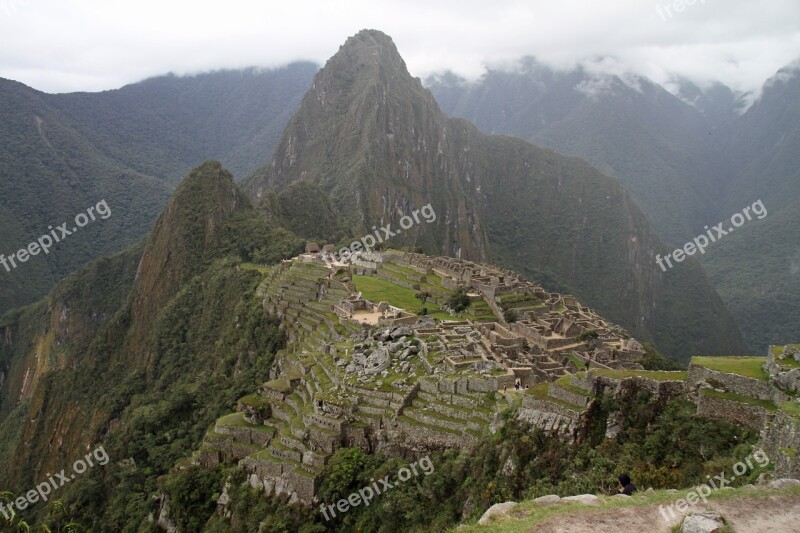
(368, 49)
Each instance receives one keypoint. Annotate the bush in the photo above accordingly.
(459, 301)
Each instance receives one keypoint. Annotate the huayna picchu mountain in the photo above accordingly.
(374, 142)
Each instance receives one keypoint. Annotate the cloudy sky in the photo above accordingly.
(88, 45)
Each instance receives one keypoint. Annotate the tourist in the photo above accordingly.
(625, 486)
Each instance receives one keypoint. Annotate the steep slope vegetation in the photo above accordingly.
(757, 271)
(170, 328)
(64, 152)
(373, 140)
(49, 172)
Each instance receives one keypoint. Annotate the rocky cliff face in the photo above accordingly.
(373, 140)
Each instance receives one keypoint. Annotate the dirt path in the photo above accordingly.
(779, 513)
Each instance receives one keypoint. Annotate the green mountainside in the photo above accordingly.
(374, 141)
(169, 327)
(62, 153)
(757, 271)
(49, 172)
(166, 125)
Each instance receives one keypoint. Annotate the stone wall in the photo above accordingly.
(536, 404)
(748, 415)
(416, 437)
(742, 385)
(781, 442)
(661, 389)
(566, 396)
(281, 479)
(786, 379)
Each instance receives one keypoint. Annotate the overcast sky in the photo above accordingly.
(65, 45)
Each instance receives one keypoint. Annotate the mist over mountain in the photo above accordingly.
(690, 159)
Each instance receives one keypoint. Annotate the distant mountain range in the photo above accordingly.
(61, 153)
(689, 159)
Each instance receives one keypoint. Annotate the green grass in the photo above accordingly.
(280, 385)
(260, 268)
(564, 383)
(578, 363)
(254, 400)
(539, 391)
(377, 290)
(654, 375)
(529, 516)
(790, 408)
(236, 420)
(766, 404)
(744, 366)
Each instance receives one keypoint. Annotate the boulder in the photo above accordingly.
(402, 331)
(497, 510)
(547, 500)
(708, 522)
(783, 483)
(586, 499)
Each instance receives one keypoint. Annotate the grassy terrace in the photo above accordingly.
(578, 363)
(539, 391)
(237, 420)
(750, 367)
(790, 408)
(431, 427)
(564, 383)
(259, 268)
(662, 375)
(377, 290)
(766, 404)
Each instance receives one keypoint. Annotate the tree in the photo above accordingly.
(423, 296)
(510, 315)
(460, 300)
(588, 334)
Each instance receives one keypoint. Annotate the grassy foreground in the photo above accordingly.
(527, 515)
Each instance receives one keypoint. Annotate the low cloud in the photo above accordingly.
(57, 45)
